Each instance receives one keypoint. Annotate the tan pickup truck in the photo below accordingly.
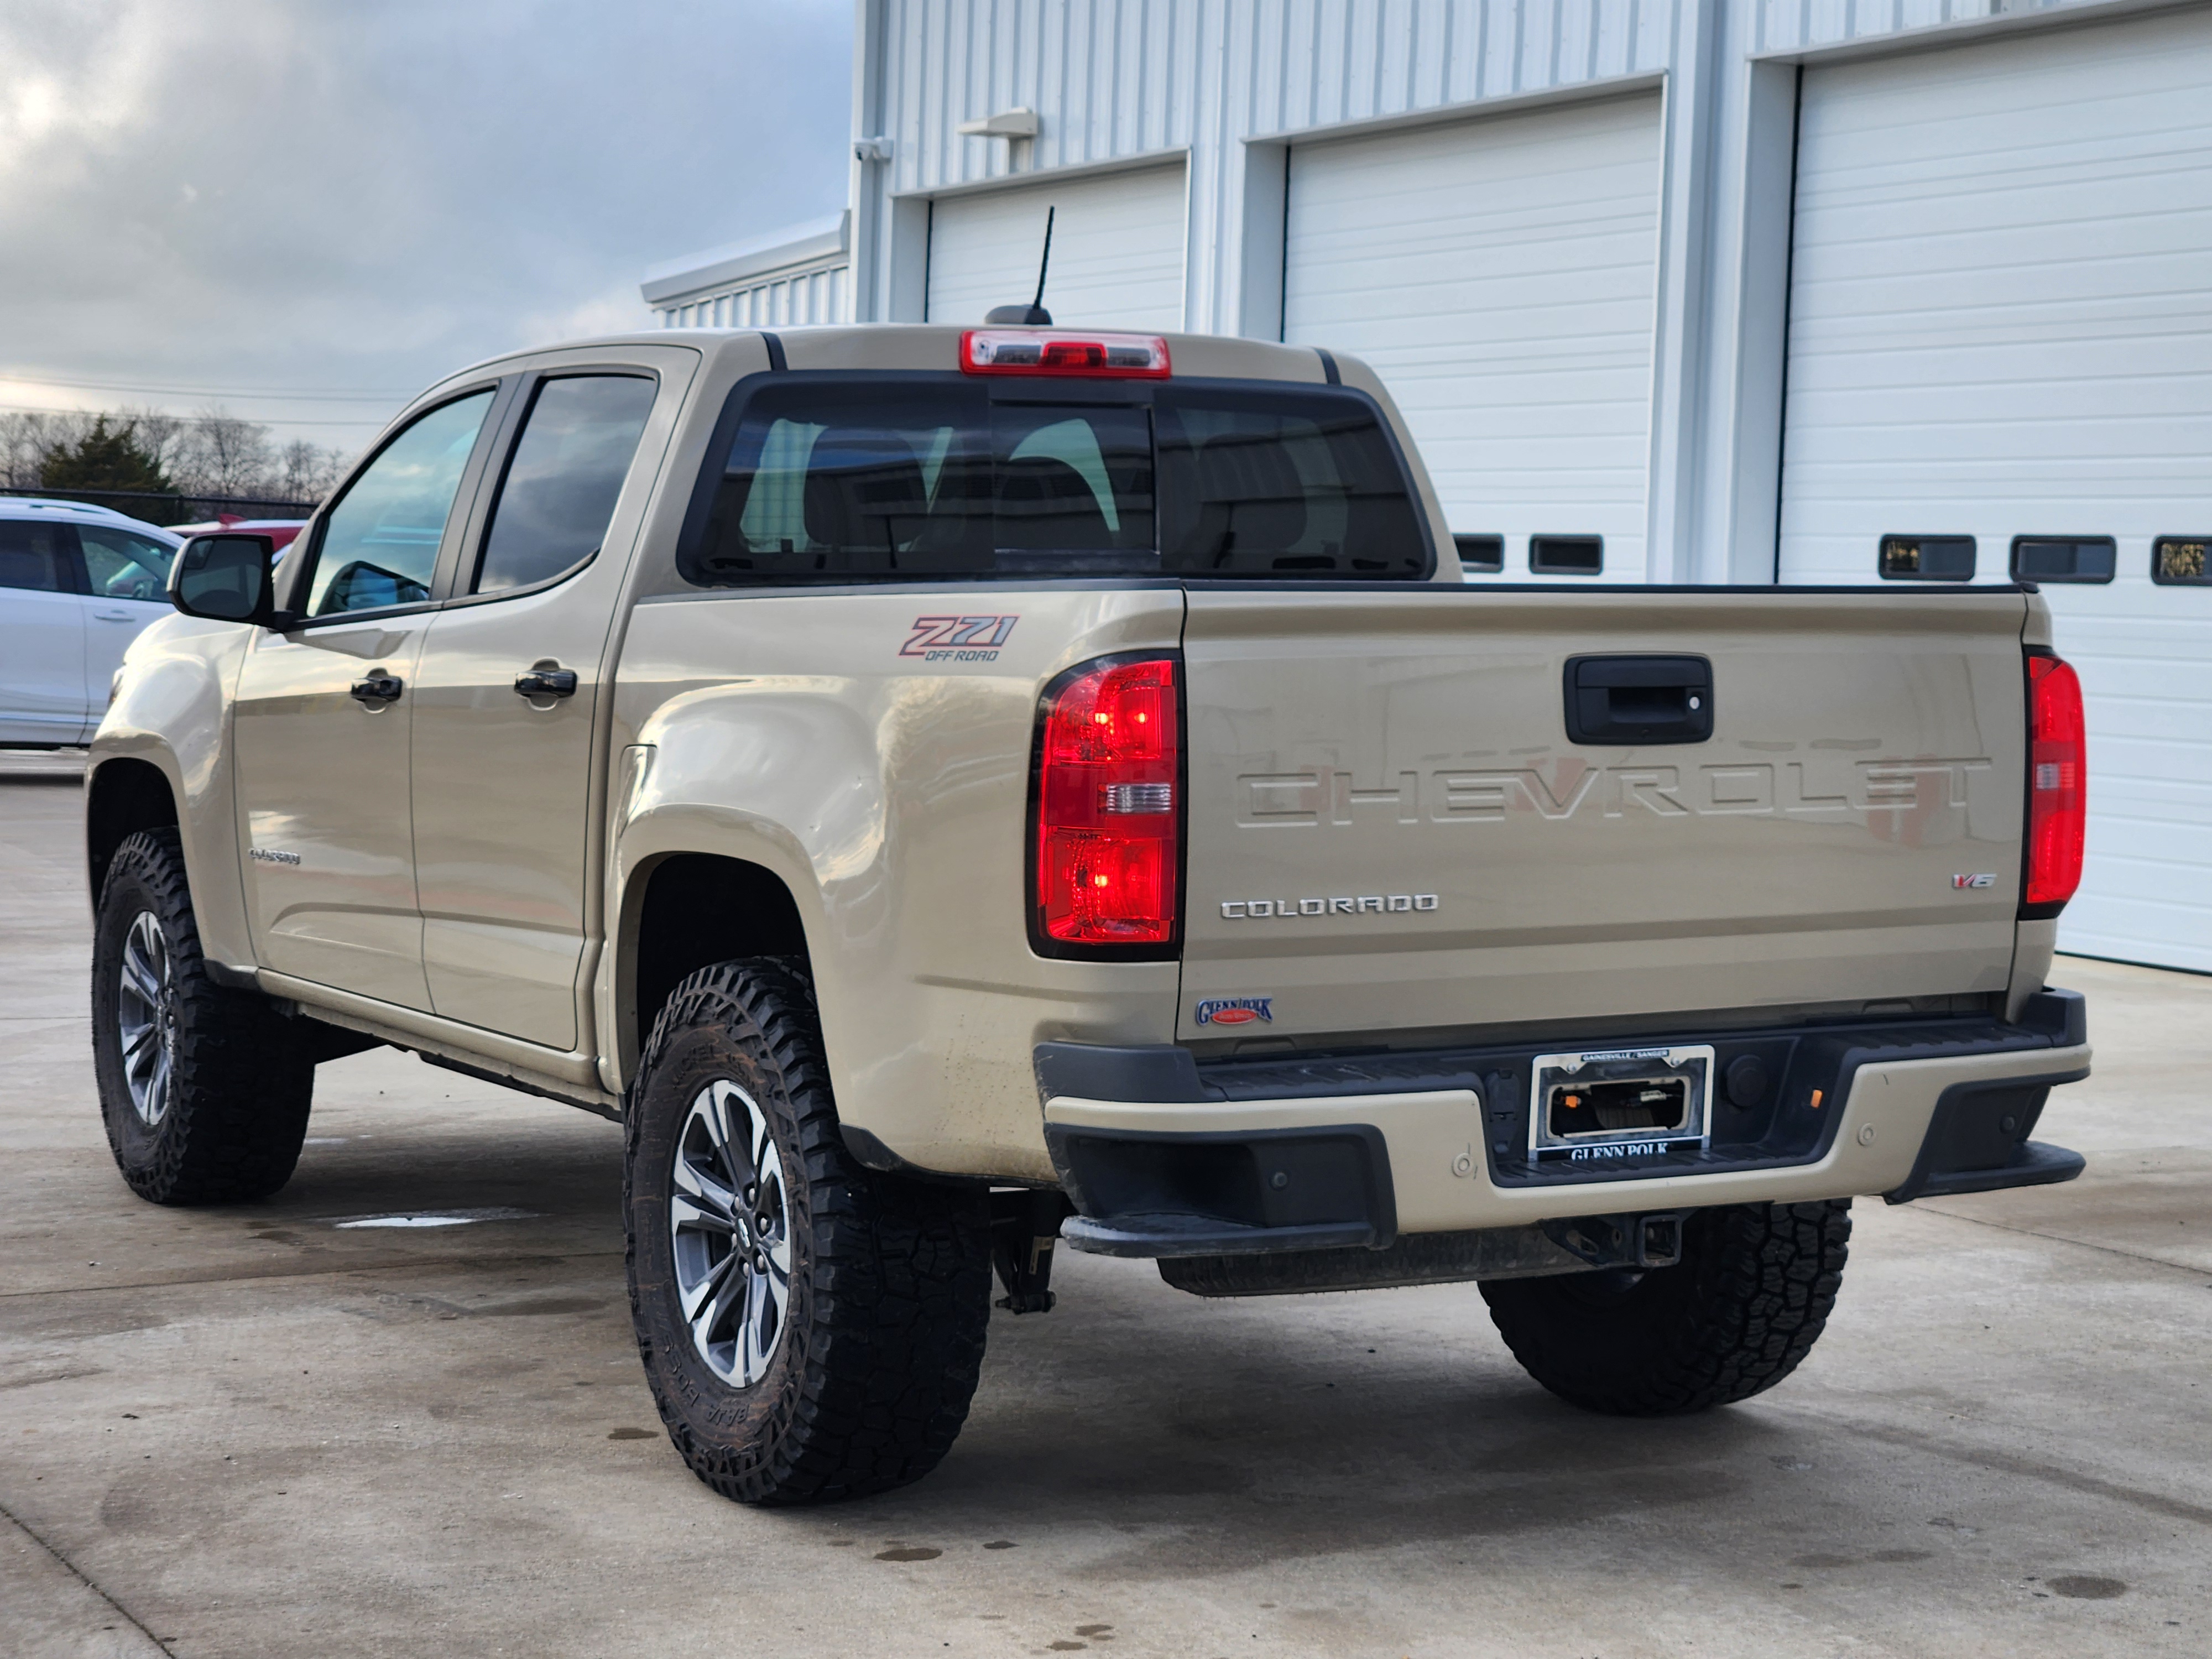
(949, 791)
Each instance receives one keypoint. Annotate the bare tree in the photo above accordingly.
(306, 473)
(27, 437)
(212, 454)
(23, 442)
(222, 455)
(160, 435)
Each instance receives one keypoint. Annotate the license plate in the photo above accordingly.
(1616, 1104)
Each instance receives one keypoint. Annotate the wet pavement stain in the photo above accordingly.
(2087, 1587)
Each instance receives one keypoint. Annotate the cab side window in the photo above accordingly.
(34, 555)
(123, 566)
(559, 494)
(380, 542)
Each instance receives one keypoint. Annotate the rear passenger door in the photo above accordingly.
(41, 634)
(127, 574)
(508, 703)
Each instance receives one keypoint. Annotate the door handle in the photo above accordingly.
(111, 616)
(1639, 700)
(378, 687)
(546, 683)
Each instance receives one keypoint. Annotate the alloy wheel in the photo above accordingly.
(146, 1016)
(731, 1229)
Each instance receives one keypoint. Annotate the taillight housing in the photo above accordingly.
(2057, 785)
(1063, 352)
(1106, 854)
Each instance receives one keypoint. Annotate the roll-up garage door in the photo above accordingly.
(1117, 242)
(2001, 326)
(1500, 276)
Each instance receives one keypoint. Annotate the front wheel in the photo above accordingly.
(204, 1090)
(1737, 1314)
(811, 1329)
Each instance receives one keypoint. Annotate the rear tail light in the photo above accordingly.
(2057, 785)
(1109, 849)
(1049, 351)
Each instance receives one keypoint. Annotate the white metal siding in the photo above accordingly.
(813, 297)
(1114, 78)
(1117, 250)
(1500, 276)
(2000, 325)
(1784, 24)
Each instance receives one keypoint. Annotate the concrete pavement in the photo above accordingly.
(265, 1431)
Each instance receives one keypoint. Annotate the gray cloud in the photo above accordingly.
(361, 194)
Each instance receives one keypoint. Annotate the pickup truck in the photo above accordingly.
(950, 793)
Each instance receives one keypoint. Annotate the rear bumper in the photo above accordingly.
(1164, 1158)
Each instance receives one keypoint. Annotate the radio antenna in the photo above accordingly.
(1033, 314)
(1044, 264)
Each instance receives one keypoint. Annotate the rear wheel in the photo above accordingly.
(204, 1090)
(1735, 1316)
(811, 1329)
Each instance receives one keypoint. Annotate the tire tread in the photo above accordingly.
(1761, 1287)
(898, 1291)
(242, 1082)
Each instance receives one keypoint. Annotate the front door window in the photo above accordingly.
(379, 546)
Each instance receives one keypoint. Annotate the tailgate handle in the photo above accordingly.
(1639, 700)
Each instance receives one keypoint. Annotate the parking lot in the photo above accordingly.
(274, 1430)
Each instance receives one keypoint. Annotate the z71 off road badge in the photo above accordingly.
(1236, 1010)
(959, 639)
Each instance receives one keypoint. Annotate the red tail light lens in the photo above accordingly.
(1109, 823)
(2057, 785)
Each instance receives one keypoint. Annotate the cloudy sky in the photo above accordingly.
(207, 201)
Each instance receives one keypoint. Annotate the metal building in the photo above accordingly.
(1740, 288)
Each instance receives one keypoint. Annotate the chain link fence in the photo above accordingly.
(162, 508)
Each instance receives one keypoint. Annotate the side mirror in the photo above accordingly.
(226, 578)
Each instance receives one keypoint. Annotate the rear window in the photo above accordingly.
(933, 477)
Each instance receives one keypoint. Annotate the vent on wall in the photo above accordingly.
(1566, 556)
(1480, 553)
(1927, 558)
(2063, 558)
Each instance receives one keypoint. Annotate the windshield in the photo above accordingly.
(927, 477)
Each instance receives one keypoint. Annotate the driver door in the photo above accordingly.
(323, 716)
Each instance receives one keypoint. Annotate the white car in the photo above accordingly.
(77, 583)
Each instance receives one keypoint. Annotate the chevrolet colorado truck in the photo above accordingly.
(948, 793)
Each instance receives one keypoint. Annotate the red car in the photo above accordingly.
(280, 531)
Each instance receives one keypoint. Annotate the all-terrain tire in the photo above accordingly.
(236, 1079)
(1735, 1316)
(878, 1346)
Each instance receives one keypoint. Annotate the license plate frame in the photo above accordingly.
(1633, 1148)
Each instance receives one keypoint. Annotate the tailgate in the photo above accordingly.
(1391, 831)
